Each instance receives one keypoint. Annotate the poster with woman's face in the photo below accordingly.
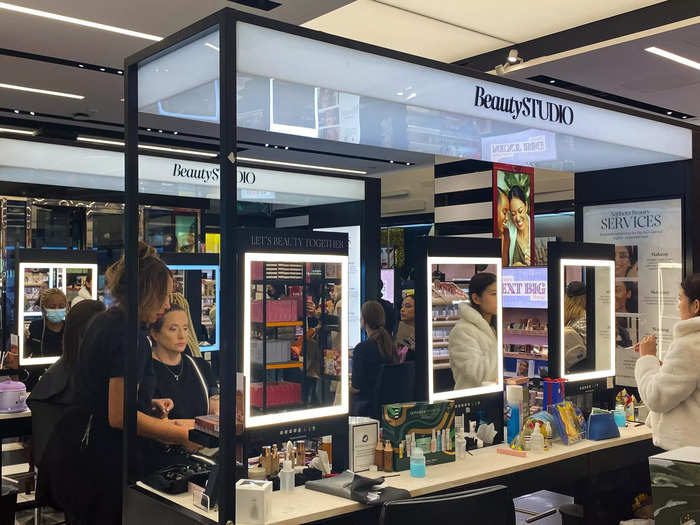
(513, 198)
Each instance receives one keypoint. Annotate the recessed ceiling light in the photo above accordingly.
(684, 116)
(160, 131)
(41, 91)
(296, 165)
(552, 81)
(151, 147)
(391, 162)
(80, 65)
(267, 145)
(78, 21)
(120, 72)
(672, 56)
(174, 132)
(32, 113)
(400, 93)
(669, 112)
(17, 111)
(148, 129)
(286, 147)
(102, 69)
(18, 131)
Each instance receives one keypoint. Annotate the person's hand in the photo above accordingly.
(310, 307)
(647, 346)
(162, 407)
(185, 423)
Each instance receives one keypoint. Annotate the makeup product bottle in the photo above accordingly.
(433, 443)
(287, 477)
(388, 457)
(445, 440)
(417, 463)
(401, 448)
(379, 456)
(547, 436)
(327, 445)
(439, 442)
(460, 446)
(275, 461)
(301, 454)
(266, 460)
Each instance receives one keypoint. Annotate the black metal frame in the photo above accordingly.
(556, 251)
(230, 307)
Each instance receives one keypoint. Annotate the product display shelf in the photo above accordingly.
(524, 329)
(526, 333)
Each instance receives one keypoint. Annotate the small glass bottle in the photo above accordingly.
(417, 463)
(388, 457)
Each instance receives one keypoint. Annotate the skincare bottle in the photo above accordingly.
(401, 449)
(388, 457)
(514, 397)
(301, 454)
(417, 463)
(433, 443)
(379, 456)
(537, 440)
(460, 446)
(287, 477)
(547, 436)
(266, 460)
(439, 441)
(274, 461)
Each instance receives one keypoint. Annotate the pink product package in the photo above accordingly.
(278, 394)
(256, 270)
(332, 362)
(277, 311)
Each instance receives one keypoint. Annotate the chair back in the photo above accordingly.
(492, 505)
(396, 385)
(45, 419)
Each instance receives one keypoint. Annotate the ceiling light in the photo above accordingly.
(120, 72)
(684, 116)
(296, 165)
(174, 132)
(212, 46)
(400, 93)
(78, 21)
(669, 112)
(18, 131)
(412, 95)
(148, 129)
(391, 162)
(80, 65)
(102, 69)
(41, 91)
(17, 111)
(286, 147)
(160, 131)
(151, 147)
(32, 113)
(552, 81)
(672, 56)
(513, 56)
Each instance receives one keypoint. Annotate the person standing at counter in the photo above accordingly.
(46, 334)
(367, 357)
(406, 333)
(671, 389)
(93, 437)
(473, 346)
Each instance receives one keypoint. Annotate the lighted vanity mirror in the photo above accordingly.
(465, 339)
(295, 350)
(587, 319)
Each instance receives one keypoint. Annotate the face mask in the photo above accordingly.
(56, 315)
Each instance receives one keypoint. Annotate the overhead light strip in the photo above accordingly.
(41, 91)
(17, 131)
(78, 21)
(304, 166)
(150, 147)
(672, 56)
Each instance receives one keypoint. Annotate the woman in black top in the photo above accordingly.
(46, 334)
(367, 357)
(92, 435)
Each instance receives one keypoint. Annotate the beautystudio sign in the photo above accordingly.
(40, 163)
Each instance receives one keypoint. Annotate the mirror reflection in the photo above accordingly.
(295, 336)
(587, 303)
(465, 317)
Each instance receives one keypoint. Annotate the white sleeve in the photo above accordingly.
(468, 366)
(664, 387)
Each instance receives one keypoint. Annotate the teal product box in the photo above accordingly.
(425, 425)
(675, 486)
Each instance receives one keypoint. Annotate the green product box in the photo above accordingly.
(423, 421)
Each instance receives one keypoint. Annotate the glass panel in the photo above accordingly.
(171, 231)
(57, 227)
(587, 318)
(296, 342)
(465, 334)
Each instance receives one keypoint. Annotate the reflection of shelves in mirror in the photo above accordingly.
(290, 364)
(209, 297)
(441, 365)
(441, 344)
(297, 281)
(278, 324)
(445, 301)
(533, 333)
(450, 322)
(518, 355)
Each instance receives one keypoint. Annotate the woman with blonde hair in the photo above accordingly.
(575, 325)
(179, 300)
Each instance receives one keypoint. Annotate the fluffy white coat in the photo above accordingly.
(672, 390)
(473, 349)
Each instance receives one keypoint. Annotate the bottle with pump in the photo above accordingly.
(287, 477)
(417, 463)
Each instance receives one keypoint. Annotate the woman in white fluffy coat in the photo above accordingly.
(671, 389)
(473, 346)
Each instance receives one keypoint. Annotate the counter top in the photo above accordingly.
(14, 415)
(302, 505)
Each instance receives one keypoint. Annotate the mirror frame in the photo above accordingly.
(562, 254)
(305, 413)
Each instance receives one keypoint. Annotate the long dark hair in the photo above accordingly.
(77, 322)
(375, 319)
(691, 287)
(477, 286)
(518, 193)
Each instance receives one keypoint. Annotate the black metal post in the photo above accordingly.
(131, 238)
(228, 321)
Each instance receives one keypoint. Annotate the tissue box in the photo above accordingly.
(675, 486)
(253, 501)
(364, 434)
(423, 420)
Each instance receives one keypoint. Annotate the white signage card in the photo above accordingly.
(648, 262)
(363, 442)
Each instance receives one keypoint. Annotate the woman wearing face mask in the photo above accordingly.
(520, 249)
(672, 390)
(92, 435)
(405, 339)
(368, 355)
(46, 334)
(473, 346)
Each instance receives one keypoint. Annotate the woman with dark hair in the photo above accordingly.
(367, 356)
(45, 335)
(93, 433)
(626, 261)
(473, 346)
(671, 389)
(520, 216)
(405, 339)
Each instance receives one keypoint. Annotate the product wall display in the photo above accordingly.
(648, 271)
(36, 273)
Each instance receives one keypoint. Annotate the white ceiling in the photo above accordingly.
(450, 30)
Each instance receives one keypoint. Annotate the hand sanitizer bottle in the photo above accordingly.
(417, 463)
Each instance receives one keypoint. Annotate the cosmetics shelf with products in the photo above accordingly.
(41, 270)
(525, 321)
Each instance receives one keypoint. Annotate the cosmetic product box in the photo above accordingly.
(253, 502)
(332, 362)
(675, 486)
(364, 434)
(420, 421)
(278, 351)
(280, 393)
